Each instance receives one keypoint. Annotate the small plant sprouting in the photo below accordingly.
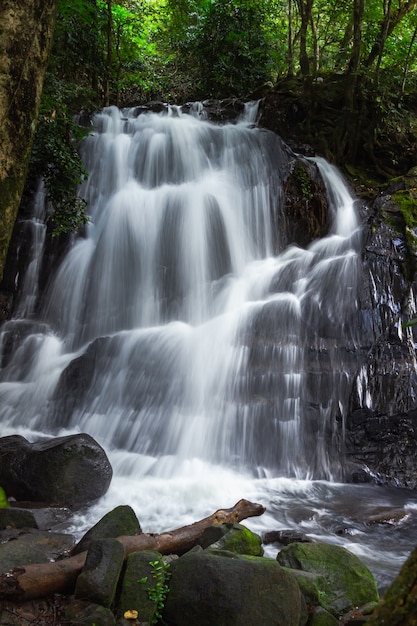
(158, 591)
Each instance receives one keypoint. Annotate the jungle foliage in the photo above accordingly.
(126, 52)
(170, 49)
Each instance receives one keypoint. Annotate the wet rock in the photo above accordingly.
(329, 576)
(321, 617)
(87, 613)
(385, 446)
(381, 424)
(285, 537)
(28, 515)
(211, 587)
(70, 471)
(144, 585)
(98, 580)
(33, 546)
(17, 518)
(240, 540)
(305, 215)
(120, 521)
(388, 516)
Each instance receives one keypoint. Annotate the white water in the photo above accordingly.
(193, 330)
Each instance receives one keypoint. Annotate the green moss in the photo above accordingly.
(330, 576)
(144, 585)
(11, 188)
(407, 203)
(4, 503)
(240, 540)
(303, 181)
(406, 200)
(399, 605)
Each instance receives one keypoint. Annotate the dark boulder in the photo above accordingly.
(84, 613)
(98, 580)
(70, 471)
(120, 521)
(221, 588)
(33, 546)
(233, 538)
(144, 586)
(305, 213)
(329, 576)
(30, 515)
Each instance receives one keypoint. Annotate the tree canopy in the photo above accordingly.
(172, 49)
(127, 52)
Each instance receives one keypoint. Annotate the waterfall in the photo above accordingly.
(179, 327)
(211, 360)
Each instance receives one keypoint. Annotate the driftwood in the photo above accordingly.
(41, 580)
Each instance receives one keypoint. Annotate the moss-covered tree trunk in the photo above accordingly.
(26, 28)
(399, 604)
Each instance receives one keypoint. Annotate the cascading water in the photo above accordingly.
(209, 361)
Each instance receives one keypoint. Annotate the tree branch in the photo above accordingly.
(40, 580)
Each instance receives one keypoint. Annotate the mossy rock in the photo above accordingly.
(321, 617)
(88, 614)
(98, 580)
(220, 588)
(120, 521)
(240, 540)
(342, 581)
(407, 202)
(144, 586)
(398, 607)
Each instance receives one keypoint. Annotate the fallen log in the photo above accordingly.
(44, 579)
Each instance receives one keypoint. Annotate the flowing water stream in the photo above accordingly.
(179, 332)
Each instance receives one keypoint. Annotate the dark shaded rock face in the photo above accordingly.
(120, 521)
(305, 209)
(221, 588)
(71, 471)
(381, 426)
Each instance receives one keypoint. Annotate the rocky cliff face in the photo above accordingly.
(381, 426)
(378, 436)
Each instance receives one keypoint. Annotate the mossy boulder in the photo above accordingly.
(330, 576)
(70, 471)
(88, 613)
(398, 607)
(209, 587)
(120, 521)
(17, 518)
(321, 617)
(32, 546)
(236, 538)
(144, 585)
(99, 577)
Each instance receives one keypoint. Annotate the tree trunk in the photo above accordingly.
(386, 29)
(41, 580)
(109, 59)
(305, 9)
(290, 51)
(398, 607)
(408, 59)
(26, 28)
